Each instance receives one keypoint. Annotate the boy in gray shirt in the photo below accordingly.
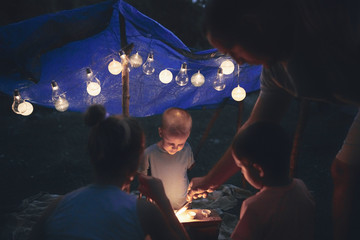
(171, 157)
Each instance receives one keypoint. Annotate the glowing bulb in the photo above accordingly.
(219, 82)
(165, 76)
(227, 67)
(93, 88)
(115, 67)
(18, 104)
(238, 93)
(59, 100)
(93, 84)
(29, 108)
(197, 79)
(22, 107)
(61, 104)
(136, 60)
(182, 77)
(148, 66)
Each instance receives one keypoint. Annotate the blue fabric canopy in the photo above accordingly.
(63, 45)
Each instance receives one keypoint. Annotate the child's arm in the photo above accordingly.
(159, 221)
(191, 161)
(144, 165)
(191, 166)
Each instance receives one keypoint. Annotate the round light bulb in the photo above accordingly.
(227, 67)
(238, 93)
(22, 107)
(93, 88)
(29, 108)
(165, 76)
(136, 60)
(197, 79)
(148, 66)
(61, 104)
(115, 67)
(182, 77)
(219, 82)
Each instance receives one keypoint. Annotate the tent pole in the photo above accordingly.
(303, 116)
(125, 87)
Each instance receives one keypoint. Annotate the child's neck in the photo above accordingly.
(278, 183)
(160, 144)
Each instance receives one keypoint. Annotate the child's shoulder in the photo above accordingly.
(154, 148)
(151, 148)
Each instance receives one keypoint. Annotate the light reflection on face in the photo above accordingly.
(172, 144)
(238, 53)
(250, 174)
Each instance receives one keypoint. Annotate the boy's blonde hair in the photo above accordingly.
(176, 122)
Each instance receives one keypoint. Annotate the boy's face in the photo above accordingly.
(250, 173)
(172, 144)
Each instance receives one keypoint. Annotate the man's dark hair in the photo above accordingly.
(262, 27)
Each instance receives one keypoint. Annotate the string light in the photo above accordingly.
(148, 66)
(136, 60)
(197, 79)
(21, 106)
(29, 108)
(93, 84)
(182, 77)
(165, 76)
(238, 93)
(16, 105)
(115, 67)
(25, 108)
(58, 98)
(227, 67)
(219, 82)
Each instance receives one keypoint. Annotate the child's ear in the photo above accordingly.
(259, 169)
(160, 132)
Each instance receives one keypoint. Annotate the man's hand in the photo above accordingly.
(198, 188)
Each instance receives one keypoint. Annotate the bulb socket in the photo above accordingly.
(151, 56)
(54, 84)
(184, 66)
(16, 93)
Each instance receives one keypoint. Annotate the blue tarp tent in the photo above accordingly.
(63, 45)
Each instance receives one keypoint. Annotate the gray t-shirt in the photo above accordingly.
(171, 169)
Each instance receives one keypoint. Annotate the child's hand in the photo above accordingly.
(151, 187)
